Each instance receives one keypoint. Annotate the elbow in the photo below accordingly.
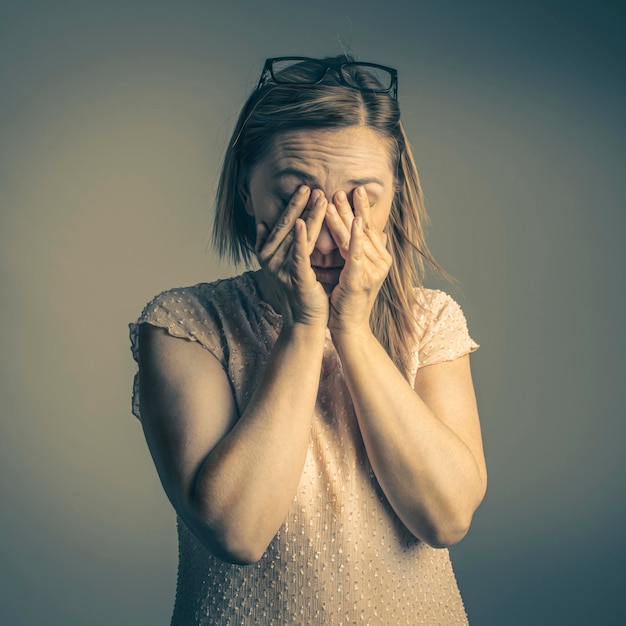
(238, 543)
(446, 530)
(220, 526)
(226, 539)
(445, 535)
(238, 553)
(451, 526)
(228, 545)
(233, 545)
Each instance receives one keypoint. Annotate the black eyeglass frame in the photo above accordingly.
(268, 74)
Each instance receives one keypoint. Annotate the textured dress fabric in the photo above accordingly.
(342, 556)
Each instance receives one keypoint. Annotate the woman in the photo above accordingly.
(316, 430)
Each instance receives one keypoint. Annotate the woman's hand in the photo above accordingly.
(367, 262)
(284, 254)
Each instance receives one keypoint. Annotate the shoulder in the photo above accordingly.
(442, 328)
(197, 299)
(200, 305)
(195, 312)
(432, 304)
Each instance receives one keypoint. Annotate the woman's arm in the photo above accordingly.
(232, 478)
(424, 444)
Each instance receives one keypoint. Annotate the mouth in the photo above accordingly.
(328, 275)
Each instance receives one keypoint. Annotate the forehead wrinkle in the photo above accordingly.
(313, 168)
(319, 158)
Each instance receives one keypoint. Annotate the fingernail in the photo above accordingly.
(360, 191)
(341, 196)
(302, 189)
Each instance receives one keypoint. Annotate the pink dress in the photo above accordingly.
(342, 556)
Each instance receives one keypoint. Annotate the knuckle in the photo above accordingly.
(382, 268)
(283, 220)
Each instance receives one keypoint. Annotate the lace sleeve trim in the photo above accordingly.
(182, 315)
(443, 330)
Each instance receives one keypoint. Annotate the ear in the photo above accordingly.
(244, 193)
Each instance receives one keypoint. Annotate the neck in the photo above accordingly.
(266, 288)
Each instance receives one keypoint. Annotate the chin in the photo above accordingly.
(328, 288)
(328, 277)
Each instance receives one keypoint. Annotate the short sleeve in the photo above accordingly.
(184, 314)
(445, 336)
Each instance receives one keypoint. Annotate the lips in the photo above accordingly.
(327, 274)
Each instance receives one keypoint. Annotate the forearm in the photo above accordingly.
(246, 484)
(429, 475)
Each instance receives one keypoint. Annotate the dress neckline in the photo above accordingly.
(252, 290)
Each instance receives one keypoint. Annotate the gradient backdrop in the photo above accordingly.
(114, 118)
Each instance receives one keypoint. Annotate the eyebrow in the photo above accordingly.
(292, 171)
(306, 177)
(363, 181)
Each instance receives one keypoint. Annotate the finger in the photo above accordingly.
(286, 248)
(374, 249)
(338, 230)
(356, 249)
(376, 238)
(344, 209)
(362, 205)
(285, 223)
(367, 259)
(313, 198)
(300, 249)
(315, 219)
(378, 258)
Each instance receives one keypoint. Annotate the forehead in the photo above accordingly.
(350, 154)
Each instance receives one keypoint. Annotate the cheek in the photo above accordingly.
(261, 204)
(380, 214)
(267, 211)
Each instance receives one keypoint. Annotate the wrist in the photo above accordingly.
(304, 331)
(350, 335)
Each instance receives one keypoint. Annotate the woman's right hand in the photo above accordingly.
(284, 255)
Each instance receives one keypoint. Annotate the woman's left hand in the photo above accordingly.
(367, 262)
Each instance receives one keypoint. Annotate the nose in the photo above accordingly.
(325, 243)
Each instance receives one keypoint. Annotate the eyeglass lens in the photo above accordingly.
(292, 71)
(382, 78)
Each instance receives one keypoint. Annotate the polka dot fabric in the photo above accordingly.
(342, 556)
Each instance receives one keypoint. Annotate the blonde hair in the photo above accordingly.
(274, 109)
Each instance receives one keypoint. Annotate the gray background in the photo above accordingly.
(114, 118)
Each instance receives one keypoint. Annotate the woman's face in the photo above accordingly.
(329, 160)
